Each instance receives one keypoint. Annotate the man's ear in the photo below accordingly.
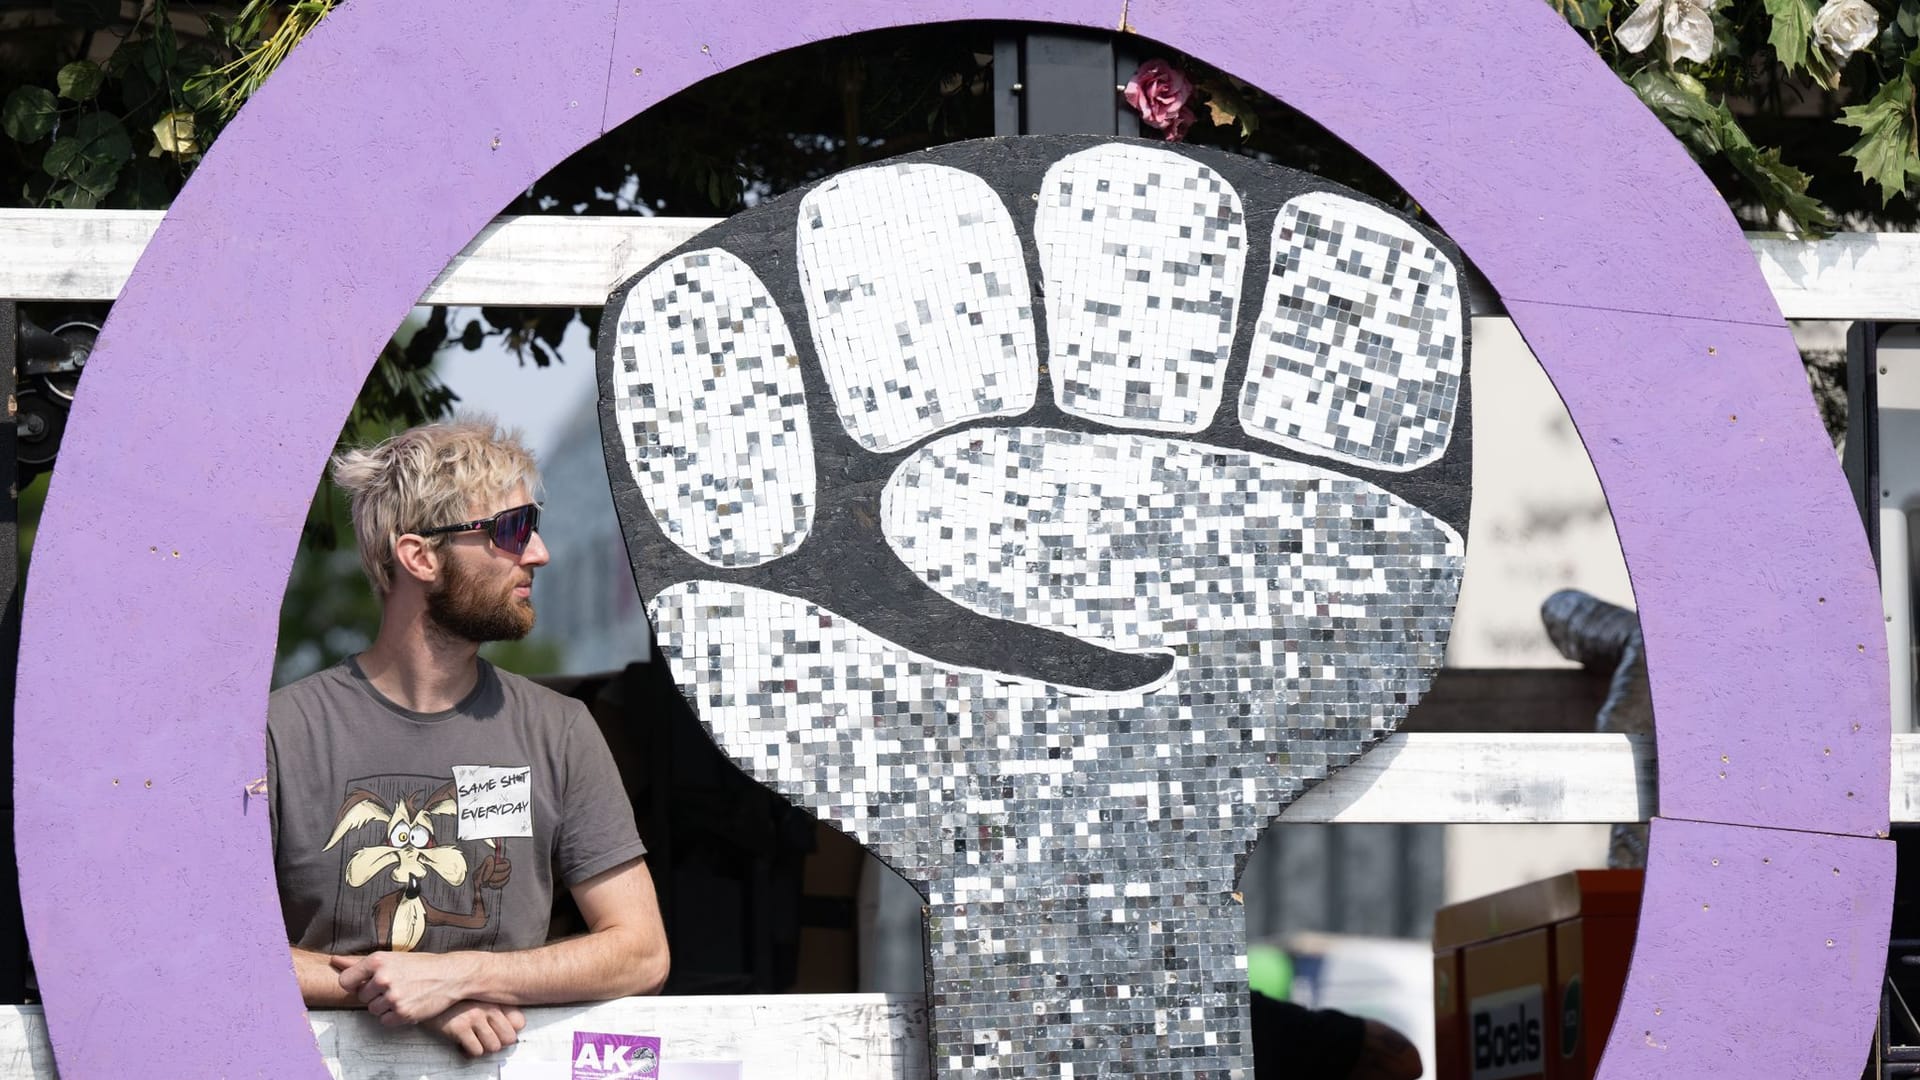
(416, 557)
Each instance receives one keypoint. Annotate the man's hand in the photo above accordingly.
(479, 1027)
(1385, 1054)
(407, 988)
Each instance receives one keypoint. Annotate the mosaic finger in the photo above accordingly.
(1359, 348)
(710, 408)
(1143, 542)
(916, 290)
(1141, 252)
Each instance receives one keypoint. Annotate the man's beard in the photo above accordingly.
(463, 607)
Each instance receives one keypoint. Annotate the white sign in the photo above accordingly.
(494, 800)
(1508, 1040)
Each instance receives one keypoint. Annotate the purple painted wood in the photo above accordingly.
(231, 358)
(1747, 560)
(1740, 931)
(1473, 108)
(227, 370)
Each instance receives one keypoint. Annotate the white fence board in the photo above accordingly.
(1845, 277)
(1477, 779)
(1524, 780)
(570, 261)
(843, 1036)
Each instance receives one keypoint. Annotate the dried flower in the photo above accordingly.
(173, 134)
(1844, 27)
(1687, 24)
(1160, 93)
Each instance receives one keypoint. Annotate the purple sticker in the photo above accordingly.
(598, 1055)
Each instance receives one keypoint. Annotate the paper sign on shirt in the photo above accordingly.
(602, 1056)
(494, 800)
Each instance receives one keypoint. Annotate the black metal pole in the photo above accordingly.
(13, 935)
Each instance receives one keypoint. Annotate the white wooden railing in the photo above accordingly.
(576, 261)
(802, 1036)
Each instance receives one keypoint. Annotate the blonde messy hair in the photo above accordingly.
(434, 474)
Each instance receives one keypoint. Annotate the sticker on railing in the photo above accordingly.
(603, 1056)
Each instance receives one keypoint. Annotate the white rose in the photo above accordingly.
(1844, 27)
(1688, 25)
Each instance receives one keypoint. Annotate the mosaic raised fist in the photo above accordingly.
(1048, 514)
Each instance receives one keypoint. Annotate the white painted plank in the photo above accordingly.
(1906, 778)
(24, 1051)
(565, 261)
(557, 261)
(1524, 779)
(1847, 276)
(535, 261)
(71, 254)
(844, 1036)
(1464, 779)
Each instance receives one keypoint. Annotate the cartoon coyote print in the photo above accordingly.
(412, 851)
(1048, 514)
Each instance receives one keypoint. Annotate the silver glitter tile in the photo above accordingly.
(917, 293)
(711, 410)
(1357, 354)
(1142, 251)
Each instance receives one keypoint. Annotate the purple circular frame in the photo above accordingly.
(399, 129)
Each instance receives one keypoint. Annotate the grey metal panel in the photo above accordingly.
(1423, 888)
(1126, 59)
(1367, 865)
(1289, 868)
(1007, 112)
(1374, 880)
(1068, 80)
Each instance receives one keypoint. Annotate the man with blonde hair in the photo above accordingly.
(423, 802)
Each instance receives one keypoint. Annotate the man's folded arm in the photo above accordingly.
(320, 981)
(623, 953)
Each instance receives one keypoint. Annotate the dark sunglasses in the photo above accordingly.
(510, 530)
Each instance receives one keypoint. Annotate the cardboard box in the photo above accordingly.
(1535, 976)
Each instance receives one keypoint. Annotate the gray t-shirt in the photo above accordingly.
(400, 830)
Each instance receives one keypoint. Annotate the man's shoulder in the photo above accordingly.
(302, 694)
(537, 699)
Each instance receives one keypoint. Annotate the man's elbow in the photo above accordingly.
(650, 970)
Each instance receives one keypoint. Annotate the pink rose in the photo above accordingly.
(1159, 93)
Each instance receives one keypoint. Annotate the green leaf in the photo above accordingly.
(1908, 19)
(1886, 153)
(29, 114)
(60, 156)
(73, 197)
(200, 91)
(1707, 128)
(1792, 32)
(1584, 14)
(127, 68)
(147, 184)
(1781, 187)
(1681, 103)
(80, 80)
(104, 137)
(97, 175)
